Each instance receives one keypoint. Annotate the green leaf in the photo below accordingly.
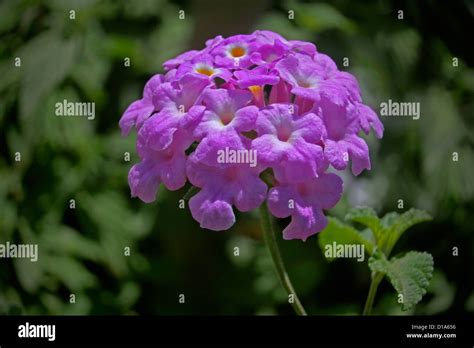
(320, 17)
(406, 220)
(72, 133)
(10, 11)
(443, 293)
(410, 275)
(118, 226)
(145, 8)
(341, 233)
(129, 294)
(367, 217)
(29, 273)
(394, 225)
(190, 193)
(70, 242)
(47, 60)
(275, 22)
(9, 72)
(69, 272)
(387, 230)
(167, 40)
(93, 67)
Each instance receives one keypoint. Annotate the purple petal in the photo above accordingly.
(173, 172)
(306, 222)
(326, 190)
(310, 128)
(359, 153)
(186, 56)
(368, 118)
(256, 77)
(269, 149)
(156, 134)
(301, 162)
(245, 119)
(278, 201)
(135, 114)
(302, 47)
(144, 180)
(326, 63)
(335, 153)
(280, 93)
(251, 195)
(192, 86)
(210, 123)
(305, 202)
(221, 100)
(212, 210)
(191, 119)
(208, 148)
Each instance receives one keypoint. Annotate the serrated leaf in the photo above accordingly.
(410, 275)
(367, 217)
(394, 225)
(340, 233)
(407, 219)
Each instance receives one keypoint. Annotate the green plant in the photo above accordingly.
(409, 273)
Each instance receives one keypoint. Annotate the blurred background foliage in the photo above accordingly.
(81, 250)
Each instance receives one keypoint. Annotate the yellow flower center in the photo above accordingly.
(205, 71)
(237, 51)
(255, 89)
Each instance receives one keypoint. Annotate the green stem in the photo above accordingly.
(191, 192)
(374, 284)
(272, 245)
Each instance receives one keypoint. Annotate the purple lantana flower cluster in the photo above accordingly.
(244, 109)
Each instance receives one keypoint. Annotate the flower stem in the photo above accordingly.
(374, 284)
(272, 245)
(191, 192)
